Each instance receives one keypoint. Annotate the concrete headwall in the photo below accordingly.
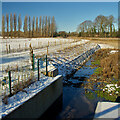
(37, 105)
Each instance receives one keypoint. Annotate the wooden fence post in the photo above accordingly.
(33, 61)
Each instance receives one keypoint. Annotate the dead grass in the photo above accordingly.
(109, 63)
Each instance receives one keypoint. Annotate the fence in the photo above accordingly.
(16, 80)
(10, 48)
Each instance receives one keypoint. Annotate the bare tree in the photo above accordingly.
(102, 25)
(25, 27)
(94, 28)
(11, 25)
(29, 27)
(49, 27)
(7, 20)
(19, 25)
(3, 26)
(40, 23)
(43, 27)
(101, 22)
(111, 20)
(37, 27)
(33, 27)
(46, 27)
(80, 28)
(15, 25)
(53, 26)
(87, 27)
(119, 25)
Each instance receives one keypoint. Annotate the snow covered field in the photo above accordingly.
(39, 45)
(60, 54)
(65, 52)
(23, 43)
(21, 58)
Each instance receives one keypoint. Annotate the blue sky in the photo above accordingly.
(68, 15)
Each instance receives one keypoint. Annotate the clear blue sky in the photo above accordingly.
(68, 15)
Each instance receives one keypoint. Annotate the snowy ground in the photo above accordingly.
(21, 58)
(60, 52)
(105, 46)
(19, 98)
(59, 59)
(23, 43)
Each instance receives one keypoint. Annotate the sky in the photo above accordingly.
(68, 15)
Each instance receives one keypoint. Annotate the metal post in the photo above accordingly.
(46, 66)
(33, 62)
(9, 75)
(38, 69)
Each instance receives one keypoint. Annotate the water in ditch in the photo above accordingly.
(78, 100)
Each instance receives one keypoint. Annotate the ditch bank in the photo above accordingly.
(69, 68)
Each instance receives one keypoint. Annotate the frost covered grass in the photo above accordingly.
(63, 60)
(22, 44)
(22, 57)
(106, 74)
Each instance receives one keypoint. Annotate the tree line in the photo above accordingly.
(13, 26)
(102, 26)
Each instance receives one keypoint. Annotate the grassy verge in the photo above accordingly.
(107, 74)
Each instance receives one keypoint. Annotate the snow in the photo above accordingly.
(61, 60)
(107, 110)
(113, 51)
(67, 65)
(22, 57)
(104, 46)
(84, 40)
(111, 87)
(19, 98)
(22, 43)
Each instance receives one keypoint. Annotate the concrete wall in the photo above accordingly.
(109, 110)
(37, 105)
(51, 72)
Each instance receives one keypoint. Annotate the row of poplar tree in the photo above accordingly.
(13, 26)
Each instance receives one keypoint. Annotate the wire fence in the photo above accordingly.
(15, 80)
(20, 47)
